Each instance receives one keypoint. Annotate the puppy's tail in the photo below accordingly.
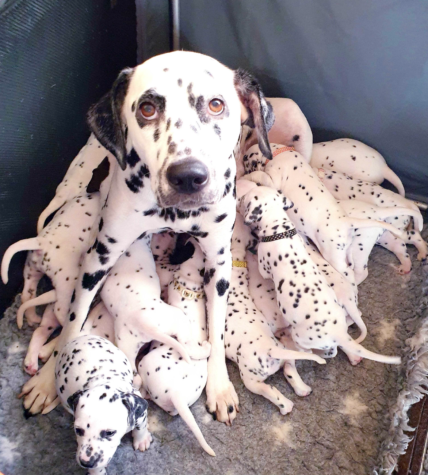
(355, 314)
(24, 245)
(56, 203)
(187, 416)
(170, 341)
(384, 213)
(47, 297)
(351, 346)
(283, 354)
(389, 175)
(357, 223)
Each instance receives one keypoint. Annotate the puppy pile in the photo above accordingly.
(307, 219)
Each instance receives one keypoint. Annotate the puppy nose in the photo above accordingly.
(87, 463)
(187, 176)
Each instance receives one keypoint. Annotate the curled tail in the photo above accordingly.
(168, 340)
(187, 416)
(358, 223)
(351, 346)
(284, 354)
(24, 245)
(56, 203)
(393, 178)
(47, 297)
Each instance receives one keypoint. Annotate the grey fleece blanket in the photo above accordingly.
(343, 427)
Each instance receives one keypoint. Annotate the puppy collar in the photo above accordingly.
(239, 263)
(276, 237)
(280, 150)
(186, 293)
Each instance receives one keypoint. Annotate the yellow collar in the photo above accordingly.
(186, 293)
(239, 263)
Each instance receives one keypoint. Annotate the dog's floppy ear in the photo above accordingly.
(105, 118)
(260, 114)
(73, 400)
(136, 406)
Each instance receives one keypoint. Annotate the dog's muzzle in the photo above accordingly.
(187, 176)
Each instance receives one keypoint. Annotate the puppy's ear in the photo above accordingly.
(105, 118)
(73, 400)
(259, 113)
(136, 407)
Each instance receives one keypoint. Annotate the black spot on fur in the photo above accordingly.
(222, 287)
(220, 218)
(208, 276)
(89, 281)
(132, 159)
(296, 138)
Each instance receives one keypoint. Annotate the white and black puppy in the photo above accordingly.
(356, 160)
(163, 245)
(305, 299)
(57, 252)
(249, 338)
(169, 381)
(343, 187)
(173, 123)
(131, 293)
(94, 383)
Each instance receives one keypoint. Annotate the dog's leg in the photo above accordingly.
(46, 350)
(141, 435)
(221, 396)
(271, 393)
(398, 247)
(40, 335)
(293, 378)
(415, 238)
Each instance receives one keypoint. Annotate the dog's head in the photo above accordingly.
(102, 416)
(263, 208)
(176, 119)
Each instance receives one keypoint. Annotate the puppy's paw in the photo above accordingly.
(286, 407)
(303, 390)
(223, 404)
(31, 366)
(142, 442)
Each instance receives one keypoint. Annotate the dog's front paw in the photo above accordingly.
(222, 401)
(31, 364)
(142, 441)
(303, 390)
(39, 392)
(286, 407)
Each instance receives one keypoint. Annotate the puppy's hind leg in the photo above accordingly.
(398, 247)
(414, 237)
(271, 393)
(293, 378)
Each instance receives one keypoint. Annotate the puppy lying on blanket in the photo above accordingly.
(316, 213)
(132, 294)
(249, 339)
(343, 187)
(94, 383)
(356, 160)
(57, 252)
(170, 382)
(317, 320)
(365, 239)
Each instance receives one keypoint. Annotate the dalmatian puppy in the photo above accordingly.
(365, 239)
(169, 381)
(79, 175)
(57, 252)
(173, 123)
(249, 339)
(94, 384)
(318, 321)
(263, 293)
(343, 187)
(132, 294)
(163, 245)
(355, 159)
(316, 213)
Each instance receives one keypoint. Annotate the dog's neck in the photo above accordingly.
(273, 223)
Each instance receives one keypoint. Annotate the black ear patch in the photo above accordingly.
(136, 407)
(105, 121)
(260, 115)
(98, 176)
(73, 400)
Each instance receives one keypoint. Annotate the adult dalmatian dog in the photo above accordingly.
(173, 123)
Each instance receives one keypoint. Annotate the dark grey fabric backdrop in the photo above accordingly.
(56, 59)
(356, 68)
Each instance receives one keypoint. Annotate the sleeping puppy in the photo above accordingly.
(94, 383)
(305, 299)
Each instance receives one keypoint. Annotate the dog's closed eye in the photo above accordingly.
(107, 434)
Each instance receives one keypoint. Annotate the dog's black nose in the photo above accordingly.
(187, 176)
(87, 463)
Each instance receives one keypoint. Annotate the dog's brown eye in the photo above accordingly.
(216, 106)
(148, 110)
